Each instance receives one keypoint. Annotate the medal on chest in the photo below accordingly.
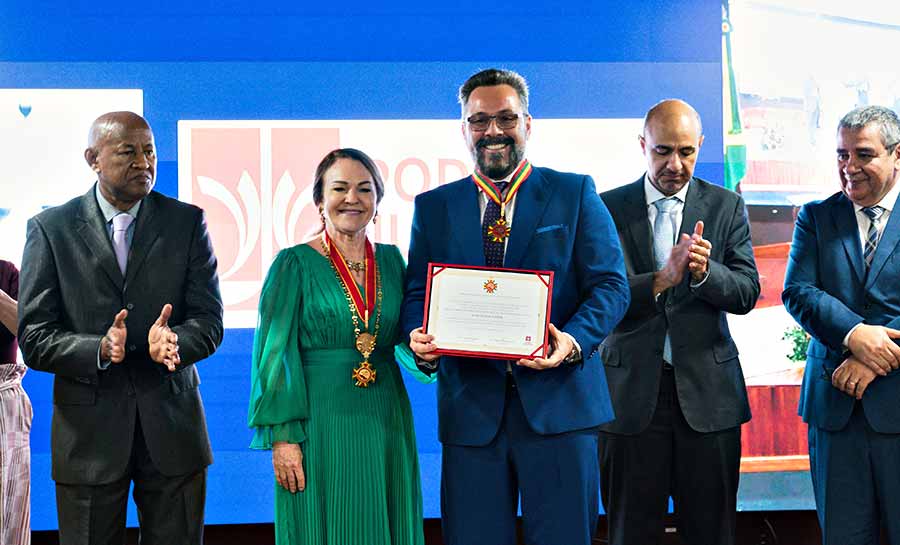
(500, 230)
(360, 309)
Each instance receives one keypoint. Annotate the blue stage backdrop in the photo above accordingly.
(267, 62)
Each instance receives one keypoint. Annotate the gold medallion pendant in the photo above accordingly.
(364, 375)
(499, 230)
(360, 309)
(365, 344)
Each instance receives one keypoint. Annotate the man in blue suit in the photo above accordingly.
(523, 429)
(843, 286)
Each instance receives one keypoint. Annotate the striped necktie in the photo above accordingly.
(493, 251)
(874, 213)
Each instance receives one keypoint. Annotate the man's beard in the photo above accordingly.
(493, 164)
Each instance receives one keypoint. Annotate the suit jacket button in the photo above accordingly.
(132, 348)
(129, 306)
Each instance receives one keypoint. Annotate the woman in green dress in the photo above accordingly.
(326, 392)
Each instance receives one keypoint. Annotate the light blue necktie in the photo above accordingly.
(664, 230)
(874, 213)
(663, 241)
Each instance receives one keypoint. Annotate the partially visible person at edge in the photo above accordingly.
(326, 392)
(15, 421)
(526, 429)
(842, 285)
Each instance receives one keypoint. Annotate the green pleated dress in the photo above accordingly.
(359, 446)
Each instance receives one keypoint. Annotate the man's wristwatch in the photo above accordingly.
(573, 357)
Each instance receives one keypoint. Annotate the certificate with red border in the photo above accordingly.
(485, 312)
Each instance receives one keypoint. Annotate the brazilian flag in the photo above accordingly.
(735, 148)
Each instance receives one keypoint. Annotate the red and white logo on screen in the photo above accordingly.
(254, 180)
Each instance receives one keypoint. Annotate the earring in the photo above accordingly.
(322, 216)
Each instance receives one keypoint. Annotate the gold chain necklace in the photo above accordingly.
(355, 266)
(365, 342)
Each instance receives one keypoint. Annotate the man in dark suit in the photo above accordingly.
(842, 287)
(525, 428)
(119, 298)
(674, 375)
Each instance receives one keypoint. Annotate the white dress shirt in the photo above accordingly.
(862, 223)
(508, 215)
(651, 194)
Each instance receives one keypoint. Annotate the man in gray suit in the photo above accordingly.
(118, 299)
(673, 370)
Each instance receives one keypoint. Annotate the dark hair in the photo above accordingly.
(490, 78)
(884, 119)
(346, 153)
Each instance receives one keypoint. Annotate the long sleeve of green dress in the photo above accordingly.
(402, 353)
(278, 397)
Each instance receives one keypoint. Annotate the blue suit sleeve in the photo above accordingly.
(412, 311)
(600, 270)
(822, 315)
(733, 284)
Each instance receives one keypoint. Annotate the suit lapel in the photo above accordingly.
(92, 230)
(695, 208)
(531, 200)
(146, 231)
(848, 229)
(464, 218)
(889, 239)
(639, 233)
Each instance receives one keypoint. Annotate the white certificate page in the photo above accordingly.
(488, 312)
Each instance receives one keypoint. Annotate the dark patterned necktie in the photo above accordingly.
(493, 251)
(874, 213)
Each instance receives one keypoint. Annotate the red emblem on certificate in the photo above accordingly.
(490, 286)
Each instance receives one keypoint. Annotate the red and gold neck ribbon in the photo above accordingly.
(493, 192)
(366, 308)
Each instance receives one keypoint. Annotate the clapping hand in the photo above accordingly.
(698, 258)
(112, 345)
(673, 271)
(163, 341)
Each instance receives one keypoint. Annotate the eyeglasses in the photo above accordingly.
(505, 120)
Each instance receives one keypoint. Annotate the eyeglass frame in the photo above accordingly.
(495, 118)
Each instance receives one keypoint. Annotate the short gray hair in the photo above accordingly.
(490, 78)
(886, 119)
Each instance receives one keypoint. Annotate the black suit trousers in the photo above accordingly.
(170, 508)
(700, 471)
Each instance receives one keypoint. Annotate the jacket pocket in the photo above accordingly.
(559, 230)
(68, 392)
(184, 380)
(817, 350)
(610, 356)
(725, 350)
